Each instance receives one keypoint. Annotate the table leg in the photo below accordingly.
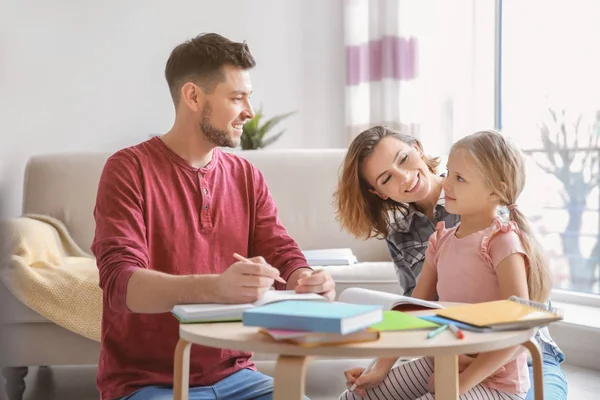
(181, 373)
(446, 377)
(538, 370)
(290, 378)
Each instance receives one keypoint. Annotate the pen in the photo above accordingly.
(371, 365)
(457, 332)
(437, 331)
(241, 258)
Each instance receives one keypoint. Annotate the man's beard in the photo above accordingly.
(214, 135)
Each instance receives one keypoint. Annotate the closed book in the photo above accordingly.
(313, 339)
(332, 317)
(460, 325)
(212, 312)
(510, 314)
(401, 321)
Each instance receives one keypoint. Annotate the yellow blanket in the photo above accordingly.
(45, 269)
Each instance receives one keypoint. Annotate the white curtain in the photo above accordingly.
(416, 65)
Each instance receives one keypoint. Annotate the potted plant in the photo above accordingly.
(254, 134)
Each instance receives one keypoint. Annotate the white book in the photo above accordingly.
(214, 312)
(389, 301)
(322, 257)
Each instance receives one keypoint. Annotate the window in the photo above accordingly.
(549, 102)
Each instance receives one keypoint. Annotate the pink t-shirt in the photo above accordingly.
(466, 269)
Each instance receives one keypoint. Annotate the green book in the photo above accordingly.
(401, 321)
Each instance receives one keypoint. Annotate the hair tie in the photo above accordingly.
(511, 206)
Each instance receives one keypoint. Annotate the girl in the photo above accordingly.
(498, 258)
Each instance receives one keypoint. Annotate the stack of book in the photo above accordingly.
(495, 316)
(311, 320)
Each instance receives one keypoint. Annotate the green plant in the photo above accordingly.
(254, 134)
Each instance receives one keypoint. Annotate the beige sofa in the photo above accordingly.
(302, 183)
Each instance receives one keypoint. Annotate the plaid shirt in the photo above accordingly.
(407, 241)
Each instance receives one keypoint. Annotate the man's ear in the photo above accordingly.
(380, 195)
(192, 96)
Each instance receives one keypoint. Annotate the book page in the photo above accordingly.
(272, 296)
(358, 295)
(389, 301)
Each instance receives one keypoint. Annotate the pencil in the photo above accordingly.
(244, 259)
(457, 332)
(437, 331)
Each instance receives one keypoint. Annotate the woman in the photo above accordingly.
(390, 189)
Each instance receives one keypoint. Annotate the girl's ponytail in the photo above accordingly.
(539, 280)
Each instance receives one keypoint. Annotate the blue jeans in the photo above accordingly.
(243, 385)
(555, 382)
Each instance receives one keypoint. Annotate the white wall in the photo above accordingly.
(89, 75)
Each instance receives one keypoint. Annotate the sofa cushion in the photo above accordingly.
(302, 183)
(16, 312)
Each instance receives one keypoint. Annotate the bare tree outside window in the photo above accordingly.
(549, 102)
(571, 153)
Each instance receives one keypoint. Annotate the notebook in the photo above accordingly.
(312, 339)
(210, 312)
(511, 314)
(389, 301)
(445, 321)
(400, 321)
(331, 317)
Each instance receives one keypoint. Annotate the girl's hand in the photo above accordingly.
(464, 361)
(371, 379)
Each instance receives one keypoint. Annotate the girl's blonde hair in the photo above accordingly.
(361, 212)
(502, 166)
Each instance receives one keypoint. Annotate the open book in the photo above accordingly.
(323, 257)
(389, 301)
(212, 312)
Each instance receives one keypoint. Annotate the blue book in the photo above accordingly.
(445, 321)
(331, 317)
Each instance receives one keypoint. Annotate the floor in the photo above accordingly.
(79, 383)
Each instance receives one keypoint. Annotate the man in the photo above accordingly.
(170, 213)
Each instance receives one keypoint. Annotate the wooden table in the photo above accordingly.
(290, 370)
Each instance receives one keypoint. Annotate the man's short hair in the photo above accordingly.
(202, 59)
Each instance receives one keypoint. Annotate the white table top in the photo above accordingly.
(235, 336)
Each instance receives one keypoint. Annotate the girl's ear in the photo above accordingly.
(496, 197)
(380, 195)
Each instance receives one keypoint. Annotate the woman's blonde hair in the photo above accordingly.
(361, 212)
(502, 166)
